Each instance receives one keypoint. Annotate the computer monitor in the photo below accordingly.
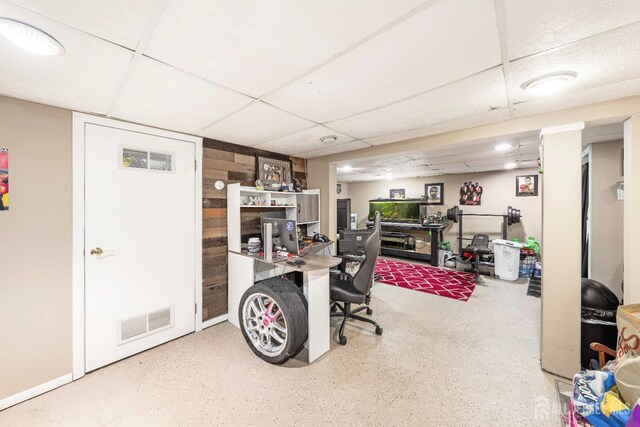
(283, 232)
(351, 242)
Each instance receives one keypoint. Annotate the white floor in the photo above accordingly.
(439, 362)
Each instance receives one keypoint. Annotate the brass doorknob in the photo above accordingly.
(96, 251)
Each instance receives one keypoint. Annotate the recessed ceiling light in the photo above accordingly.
(329, 139)
(345, 168)
(511, 165)
(549, 83)
(29, 38)
(388, 177)
(505, 146)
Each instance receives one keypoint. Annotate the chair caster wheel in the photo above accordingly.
(334, 308)
(378, 331)
(369, 312)
(343, 340)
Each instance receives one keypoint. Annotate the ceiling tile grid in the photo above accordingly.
(255, 124)
(119, 21)
(545, 24)
(85, 78)
(306, 141)
(474, 95)
(446, 42)
(162, 96)
(255, 46)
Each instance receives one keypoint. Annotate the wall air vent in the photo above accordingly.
(145, 324)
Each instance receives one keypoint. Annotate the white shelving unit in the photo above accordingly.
(304, 205)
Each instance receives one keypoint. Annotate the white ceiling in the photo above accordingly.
(280, 76)
(474, 156)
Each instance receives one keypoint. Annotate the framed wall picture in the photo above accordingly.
(526, 185)
(434, 193)
(4, 179)
(397, 193)
(471, 193)
(339, 188)
(273, 172)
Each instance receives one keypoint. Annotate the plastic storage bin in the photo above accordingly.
(507, 259)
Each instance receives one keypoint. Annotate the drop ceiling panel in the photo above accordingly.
(305, 141)
(85, 78)
(606, 58)
(256, 46)
(546, 24)
(473, 95)
(578, 98)
(119, 21)
(162, 96)
(462, 123)
(334, 149)
(256, 123)
(443, 43)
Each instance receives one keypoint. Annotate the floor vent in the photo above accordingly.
(146, 324)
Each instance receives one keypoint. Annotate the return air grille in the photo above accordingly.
(139, 159)
(146, 324)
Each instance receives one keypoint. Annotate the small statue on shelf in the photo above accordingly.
(296, 186)
(284, 186)
(259, 185)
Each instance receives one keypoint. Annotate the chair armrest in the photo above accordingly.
(602, 350)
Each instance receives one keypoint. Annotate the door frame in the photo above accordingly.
(80, 120)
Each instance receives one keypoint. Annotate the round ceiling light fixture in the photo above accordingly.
(346, 168)
(29, 38)
(505, 146)
(329, 139)
(511, 165)
(549, 83)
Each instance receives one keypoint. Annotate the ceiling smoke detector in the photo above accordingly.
(29, 38)
(329, 139)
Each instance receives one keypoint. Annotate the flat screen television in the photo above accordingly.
(395, 210)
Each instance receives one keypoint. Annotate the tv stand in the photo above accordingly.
(397, 237)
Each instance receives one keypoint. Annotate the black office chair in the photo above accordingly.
(347, 289)
(479, 246)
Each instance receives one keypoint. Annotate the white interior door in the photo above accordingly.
(139, 242)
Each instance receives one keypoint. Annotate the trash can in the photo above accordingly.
(599, 307)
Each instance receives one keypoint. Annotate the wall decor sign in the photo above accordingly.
(4, 179)
(471, 193)
(397, 193)
(526, 185)
(434, 193)
(273, 172)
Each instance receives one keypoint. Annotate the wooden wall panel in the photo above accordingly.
(228, 163)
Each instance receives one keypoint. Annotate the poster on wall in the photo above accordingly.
(526, 185)
(471, 193)
(4, 179)
(434, 193)
(396, 193)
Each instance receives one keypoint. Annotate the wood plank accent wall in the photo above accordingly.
(229, 163)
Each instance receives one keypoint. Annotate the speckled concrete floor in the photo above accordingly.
(440, 362)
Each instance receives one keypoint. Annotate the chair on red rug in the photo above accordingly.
(346, 289)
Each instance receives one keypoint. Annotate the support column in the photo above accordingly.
(324, 176)
(561, 251)
(632, 210)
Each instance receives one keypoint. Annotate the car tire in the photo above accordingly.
(273, 319)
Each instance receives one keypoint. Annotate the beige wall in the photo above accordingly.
(631, 209)
(561, 257)
(35, 247)
(607, 213)
(344, 194)
(499, 192)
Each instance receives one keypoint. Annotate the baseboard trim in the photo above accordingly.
(35, 391)
(215, 321)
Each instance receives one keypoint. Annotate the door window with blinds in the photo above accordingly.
(136, 158)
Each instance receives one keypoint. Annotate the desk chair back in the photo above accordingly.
(363, 279)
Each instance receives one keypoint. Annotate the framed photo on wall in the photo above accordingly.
(272, 172)
(397, 193)
(434, 193)
(4, 179)
(526, 185)
(471, 193)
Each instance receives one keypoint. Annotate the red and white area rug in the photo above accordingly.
(423, 278)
